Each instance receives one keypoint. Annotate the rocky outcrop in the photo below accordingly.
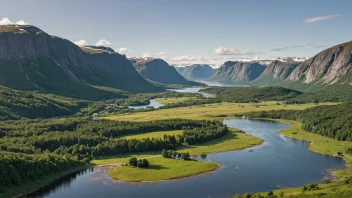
(31, 59)
(196, 71)
(159, 71)
(232, 71)
(328, 67)
(277, 71)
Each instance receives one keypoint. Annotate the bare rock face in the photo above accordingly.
(159, 71)
(327, 67)
(278, 70)
(31, 59)
(238, 71)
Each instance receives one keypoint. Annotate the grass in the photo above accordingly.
(29, 186)
(229, 142)
(166, 169)
(157, 134)
(323, 145)
(162, 169)
(166, 101)
(209, 111)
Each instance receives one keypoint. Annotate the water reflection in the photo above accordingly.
(276, 163)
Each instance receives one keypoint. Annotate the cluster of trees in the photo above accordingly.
(16, 168)
(140, 163)
(30, 149)
(203, 134)
(252, 94)
(330, 121)
(174, 154)
(86, 138)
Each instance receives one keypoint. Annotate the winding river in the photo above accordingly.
(279, 162)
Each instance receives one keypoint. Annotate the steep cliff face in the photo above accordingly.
(238, 72)
(277, 71)
(31, 59)
(328, 67)
(196, 71)
(159, 71)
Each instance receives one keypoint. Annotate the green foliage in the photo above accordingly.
(16, 104)
(133, 161)
(331, 121)
(16, 168)
(252, 94)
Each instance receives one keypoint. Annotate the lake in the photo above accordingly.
(153, 103)
(279, 162)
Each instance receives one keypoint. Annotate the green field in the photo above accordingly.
(162, 169)
(229, 142)
(209, 111)
(157, 134)
(166, 101)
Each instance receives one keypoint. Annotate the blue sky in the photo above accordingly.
(193, 31)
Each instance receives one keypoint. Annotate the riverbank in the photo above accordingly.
(163, 169)
(29, 187)
(322, 145)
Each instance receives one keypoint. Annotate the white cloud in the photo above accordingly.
(321, 18)
(162, 54)
(145, 55)
(185, 58)
(103, 42)
(232, 51)
(81, 42)
(122, 50)
(7, 21)
(22, 22)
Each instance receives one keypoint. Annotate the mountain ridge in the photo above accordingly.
(31, 59)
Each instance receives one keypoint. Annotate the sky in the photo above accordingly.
(192, 31)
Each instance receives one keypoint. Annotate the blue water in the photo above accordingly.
(153, 103)
(279, 162)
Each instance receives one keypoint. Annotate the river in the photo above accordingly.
(279, 162)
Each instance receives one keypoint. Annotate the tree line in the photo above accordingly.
(331, 121)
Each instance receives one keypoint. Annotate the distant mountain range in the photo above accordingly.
(31, 59)
(235, 71)
(159, 71)
(331, 66)
(196, 71)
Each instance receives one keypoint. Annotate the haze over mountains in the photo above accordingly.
(34, 60)
(196, 71)
(331, 66)
(159, 71)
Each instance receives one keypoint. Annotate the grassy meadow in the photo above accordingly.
(209, 111)
(162, 169)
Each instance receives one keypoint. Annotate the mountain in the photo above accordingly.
(276, 71)
(196, 71)
(333, 65)
(33, 60)
(233, 71)
(159, 71)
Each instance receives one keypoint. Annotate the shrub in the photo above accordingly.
(133, 161)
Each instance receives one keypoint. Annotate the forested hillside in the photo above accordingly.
(16, 104)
